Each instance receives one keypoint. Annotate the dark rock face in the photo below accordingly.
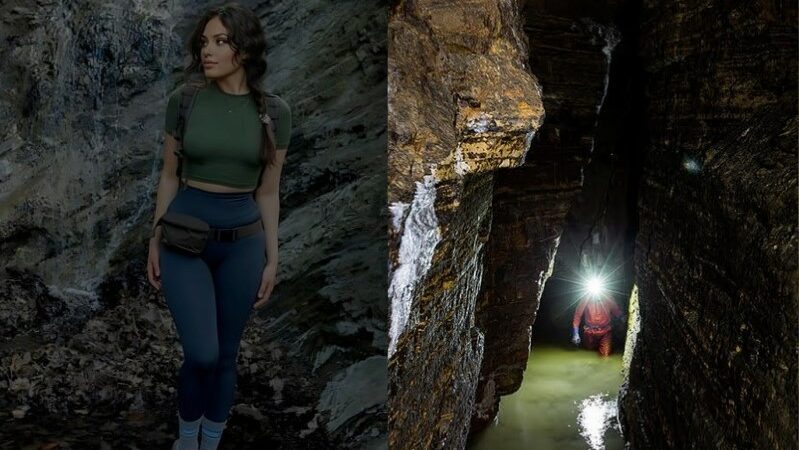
(570, 55)
(443, 384)
(718, 170)
(79, 160)
(518, 262)
(462, 103)
(715, 364)
(82, 79)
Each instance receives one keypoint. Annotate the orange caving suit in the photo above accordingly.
(596, 329)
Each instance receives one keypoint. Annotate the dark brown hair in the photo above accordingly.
(245, 35)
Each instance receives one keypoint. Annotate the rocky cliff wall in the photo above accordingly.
(86, 85)
(462, 103)
(715, 360)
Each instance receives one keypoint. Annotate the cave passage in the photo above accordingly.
(567, 401)
(568, 395)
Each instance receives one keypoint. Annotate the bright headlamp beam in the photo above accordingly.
(595, 286)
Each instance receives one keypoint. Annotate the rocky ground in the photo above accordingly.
(112, 385)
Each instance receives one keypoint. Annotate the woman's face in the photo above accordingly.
(217, 54)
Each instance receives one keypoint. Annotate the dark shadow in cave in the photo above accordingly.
(605, 151)
(607, 205)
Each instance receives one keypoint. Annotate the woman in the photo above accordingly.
(235, 135)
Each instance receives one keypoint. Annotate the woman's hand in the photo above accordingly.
(153, 266)
(267, 284)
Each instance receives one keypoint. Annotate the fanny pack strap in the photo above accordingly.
(228, 234)
(231, 234)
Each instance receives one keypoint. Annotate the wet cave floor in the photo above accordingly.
(567, 401)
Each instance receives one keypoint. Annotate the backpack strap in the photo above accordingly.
(188, 95)
(265, 118)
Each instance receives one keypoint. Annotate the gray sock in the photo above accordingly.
(187, 433)
(212, 433)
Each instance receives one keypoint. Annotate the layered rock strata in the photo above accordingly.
(462, 103)
(715, 360)
(571, 56)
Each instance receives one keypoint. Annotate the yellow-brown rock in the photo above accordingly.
(462, 104)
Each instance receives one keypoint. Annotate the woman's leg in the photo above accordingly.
(237, 278)
(188, 287)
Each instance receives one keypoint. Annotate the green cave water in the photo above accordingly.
(567, 401)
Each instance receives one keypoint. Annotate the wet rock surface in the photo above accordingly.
(715, 363)
(90, 349)
(707, 142)
(570, 55)
(462, 103)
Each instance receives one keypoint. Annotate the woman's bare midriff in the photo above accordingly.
(214, 187)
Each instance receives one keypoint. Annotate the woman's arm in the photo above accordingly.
(268, 199)
(168, 183)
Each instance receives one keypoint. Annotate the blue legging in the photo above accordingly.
(210, 297)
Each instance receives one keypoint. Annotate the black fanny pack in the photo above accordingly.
(190, 234)
(184, 232)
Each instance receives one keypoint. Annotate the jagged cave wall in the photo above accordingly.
(86, 86)
(606, 207)
(462, 103)
(716, 254)
(570, 53)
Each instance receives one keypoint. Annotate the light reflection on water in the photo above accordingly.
(567, 401)
(597, 414)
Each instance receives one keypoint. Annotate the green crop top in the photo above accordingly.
(222, 136)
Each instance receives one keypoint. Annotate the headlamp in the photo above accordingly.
(594, 286)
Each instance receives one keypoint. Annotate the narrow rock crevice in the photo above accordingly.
(668, 154)
(576, 182)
